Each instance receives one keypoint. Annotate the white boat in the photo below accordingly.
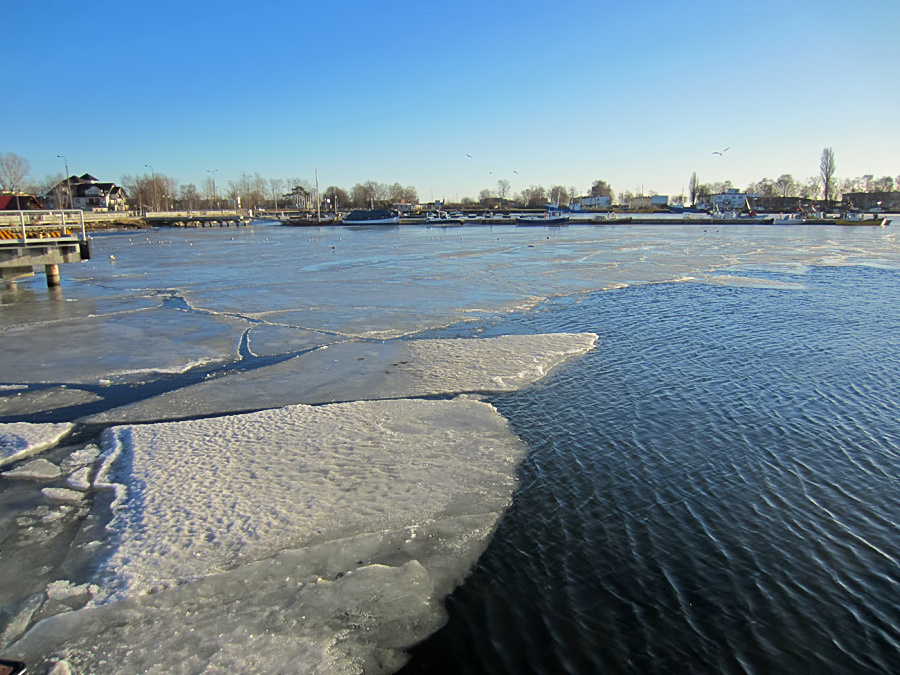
(371, 217)
(788, 219)
(443, 218)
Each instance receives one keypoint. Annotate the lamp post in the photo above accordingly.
(153, 186)
(213, 172)
(68, 185)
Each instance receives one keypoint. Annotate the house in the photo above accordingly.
(584, 203)
(731, 200)
(648, 202)
(87, 194)
(19, 202)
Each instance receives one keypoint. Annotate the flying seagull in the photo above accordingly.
(722, 153)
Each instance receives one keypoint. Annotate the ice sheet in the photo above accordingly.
(22, 439)
(310, 538)
(25, 402)
(98, 347)
(362, 370)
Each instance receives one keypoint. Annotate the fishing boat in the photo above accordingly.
(549, 218)
(371, 217)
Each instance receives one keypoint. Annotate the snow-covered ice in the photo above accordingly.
(365, 371)
(311, 538)
(19, 440)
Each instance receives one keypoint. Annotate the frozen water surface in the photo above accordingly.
(312, 539)
(361, 370)
(360, 516)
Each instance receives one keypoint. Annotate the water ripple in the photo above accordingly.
(712, 490)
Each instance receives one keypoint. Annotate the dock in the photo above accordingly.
(41, 238)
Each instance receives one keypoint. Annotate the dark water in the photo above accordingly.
(714, 489)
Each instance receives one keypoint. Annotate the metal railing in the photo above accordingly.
(18, 225)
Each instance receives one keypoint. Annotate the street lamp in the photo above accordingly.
(213, 172)
(68, 185)
(152, 184)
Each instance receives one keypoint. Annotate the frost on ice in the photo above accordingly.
(307, 539)
(365, 371)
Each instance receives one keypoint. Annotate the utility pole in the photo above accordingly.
(68, 185)
(215, 199)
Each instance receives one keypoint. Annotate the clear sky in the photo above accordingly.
(636, 92)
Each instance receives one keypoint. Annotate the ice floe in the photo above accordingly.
(367, 371)
(19, 440)
(308, 538)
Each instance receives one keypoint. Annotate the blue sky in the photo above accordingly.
(638, 93)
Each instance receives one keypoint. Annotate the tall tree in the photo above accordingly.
(559, 195)
(337, 197)
(601, 188)
(786, 185)
(694, 188)
(276, 186)
(503, 188)
(13, 171)
(826, 171)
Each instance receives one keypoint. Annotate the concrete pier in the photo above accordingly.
(26, 246)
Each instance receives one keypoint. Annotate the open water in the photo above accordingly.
(712, 489)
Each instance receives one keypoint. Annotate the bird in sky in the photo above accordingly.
(514, 171)
(721, 153)
(468, 155)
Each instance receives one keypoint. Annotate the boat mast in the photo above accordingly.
(318, 203)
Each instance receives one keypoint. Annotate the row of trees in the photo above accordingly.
(157, 191)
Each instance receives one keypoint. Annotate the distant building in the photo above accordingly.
(584, 203)
(732, 200)
(648, 202)
(872, 201)
(86, 193)
(19, 202)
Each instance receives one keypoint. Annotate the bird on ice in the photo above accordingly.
(721, 153)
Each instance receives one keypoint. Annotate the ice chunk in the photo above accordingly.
(204, 495)
(80, 458)
(62, 495)
(23, 439)
(80, 479)
(39, 469)
(308, 539)
(362, 370)
(26, 402)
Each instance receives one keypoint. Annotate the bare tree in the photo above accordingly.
(13, 171)
(559, 195)
(276, 185)
(826, 171)
(786, 185)
(694, 188)
(503, 188)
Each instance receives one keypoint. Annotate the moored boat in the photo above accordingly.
(550, 218)
(443, 218)
(371, 217)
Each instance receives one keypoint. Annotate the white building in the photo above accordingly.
(731, 200)
(600, 202)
